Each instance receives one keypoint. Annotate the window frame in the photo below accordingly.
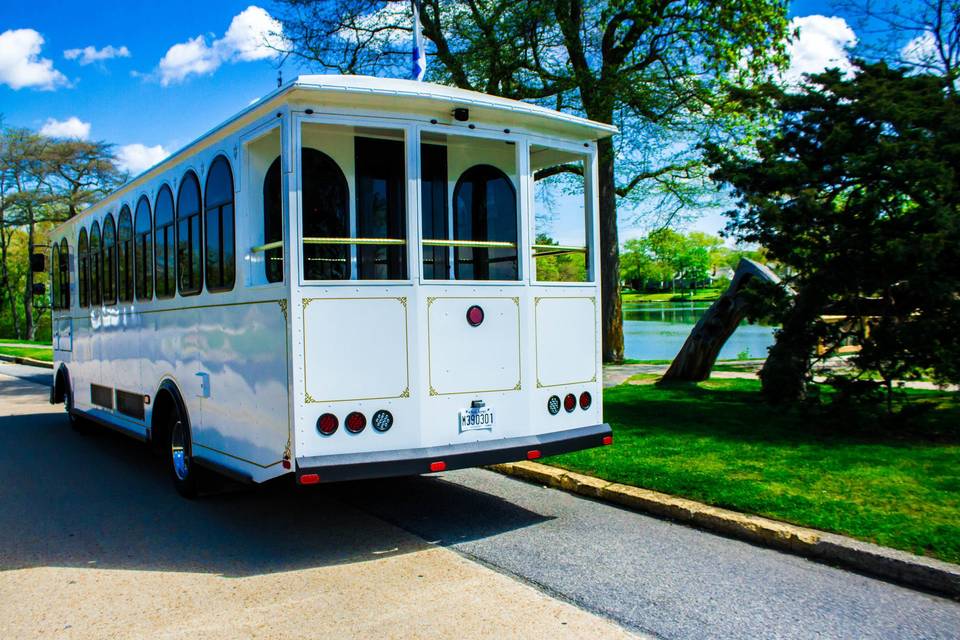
(55, 276)
(170, 279)
(112, 266)
(64, 267)
(83, 269)
(95, 266)
(218, 208)
(143, 277)
(127, 277)
(190, 176)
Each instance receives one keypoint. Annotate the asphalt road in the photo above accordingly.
(648, 575)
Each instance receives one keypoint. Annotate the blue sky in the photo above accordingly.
(158, 74)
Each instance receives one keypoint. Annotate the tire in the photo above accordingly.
(77, 423)
(183, 471)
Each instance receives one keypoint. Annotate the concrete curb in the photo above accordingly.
(866, 558)
(27, 361)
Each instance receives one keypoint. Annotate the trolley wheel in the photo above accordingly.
(184, 473)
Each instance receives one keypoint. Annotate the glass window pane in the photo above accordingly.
(164, 244)
(562, 216)
(55, 276)
(96, 294)
(273, 222)
(83, 270)
(64, 274)
(433, 187)
(485, 210)
(381, 207)
(325, 198)
(125, 255)
(109, 261)
(143, 250)
(219, 224)
(189, 236)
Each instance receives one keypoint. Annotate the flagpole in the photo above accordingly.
(418, 54)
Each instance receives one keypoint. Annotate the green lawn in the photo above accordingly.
(37, 353)
(716, 442)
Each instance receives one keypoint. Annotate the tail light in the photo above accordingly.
(327, 424)
(356, 422)
(570, 402)
(585, 400)
(553, 405)
(439, 465)
(309, 478)
(382, 420)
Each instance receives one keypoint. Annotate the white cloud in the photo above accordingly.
(72, 127)
(823, 43)
(922, 52)
(137, 158)
(20, 64)
(253, 34)
(89, 55)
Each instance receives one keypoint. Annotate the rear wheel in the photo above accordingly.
(182, 469)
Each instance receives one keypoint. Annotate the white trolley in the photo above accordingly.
(351, 278)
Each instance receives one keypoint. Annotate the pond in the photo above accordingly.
(656, 331)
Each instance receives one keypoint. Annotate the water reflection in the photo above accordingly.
(656, 331)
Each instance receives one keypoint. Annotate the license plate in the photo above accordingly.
(478, 418)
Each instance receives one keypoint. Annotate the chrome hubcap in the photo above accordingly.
(178, 452)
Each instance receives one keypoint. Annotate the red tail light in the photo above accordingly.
(309, 478)
(439, 465)
(570, 402)
(327, 424)
(475, 316)
(356, 422)
(607, 439)
(533, 454)
(585, 400)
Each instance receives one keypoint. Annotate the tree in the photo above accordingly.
(655, 69)
(857, 192)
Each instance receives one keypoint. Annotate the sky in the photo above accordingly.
(150, 77)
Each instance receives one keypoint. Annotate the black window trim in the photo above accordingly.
(113, 262)
(136, 243)
(131, 277)
(176, 216)
(83, 269)
(171, 292)
(206, 209)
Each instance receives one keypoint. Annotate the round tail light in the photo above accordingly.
(327, 424)
(553, 405)
(382, 420)
(356, 422)
(585, 400)
(570, 402)
(475, 316)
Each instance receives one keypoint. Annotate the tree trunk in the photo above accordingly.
(29, 329)
(699, 353)
(611, 311)
(786, 369)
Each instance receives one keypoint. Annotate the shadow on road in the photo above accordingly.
(103, 500)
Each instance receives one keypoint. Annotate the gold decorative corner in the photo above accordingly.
(537, 300)
(516, 301)
(306, 301)
(283, 308)
(308, 398)
(539, 384)
(402, 300)
(517, 388)
(431, 300)
(433, 391)
(406, 393)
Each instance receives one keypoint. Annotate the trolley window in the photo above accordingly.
(83, 269)
(219, 223)
(109, 260)
(125, 255)
(326, 218)
(55, 276)
(562, 216)
(381, 208)
(273, 223)
(189, 237)
(64, 266)
(164, 243)
(143, 250)
(95, 265)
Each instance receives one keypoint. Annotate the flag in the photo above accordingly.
(418, 55)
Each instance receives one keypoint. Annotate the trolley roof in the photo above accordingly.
(432, 101)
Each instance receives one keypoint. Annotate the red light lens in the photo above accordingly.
(439, 465)
(533, 455)
(570, 402)
(309, 478)
(475, 316)
(585, 400)
(327, 424)
(607, 439)
(355, 422)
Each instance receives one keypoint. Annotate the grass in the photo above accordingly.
(35, 352)
(699, 295)
(871, 478)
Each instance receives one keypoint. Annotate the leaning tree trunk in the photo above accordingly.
(699, 353)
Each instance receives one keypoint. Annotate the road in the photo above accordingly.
(94, 535)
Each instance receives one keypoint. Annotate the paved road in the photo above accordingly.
(650, 576)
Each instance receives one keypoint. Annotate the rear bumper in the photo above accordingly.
(410, 462)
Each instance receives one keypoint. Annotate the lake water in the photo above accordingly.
(656, 331)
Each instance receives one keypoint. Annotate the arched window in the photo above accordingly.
(326, 214)
(109, 260)
(143, 249)
(96, 266)
(273, 222)
(189, 236)
(164, 238)
(125, 255)
(64, 274)
(55, 276)
(83, 269)
(485, 210)
(219, 223)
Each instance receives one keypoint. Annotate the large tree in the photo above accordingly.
(857, 194)
(655, 69)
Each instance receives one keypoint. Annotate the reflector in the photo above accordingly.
(570, 402)
(327, 424)
(309, 478)
(585, 400)
(439, 465)
(355, 422)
